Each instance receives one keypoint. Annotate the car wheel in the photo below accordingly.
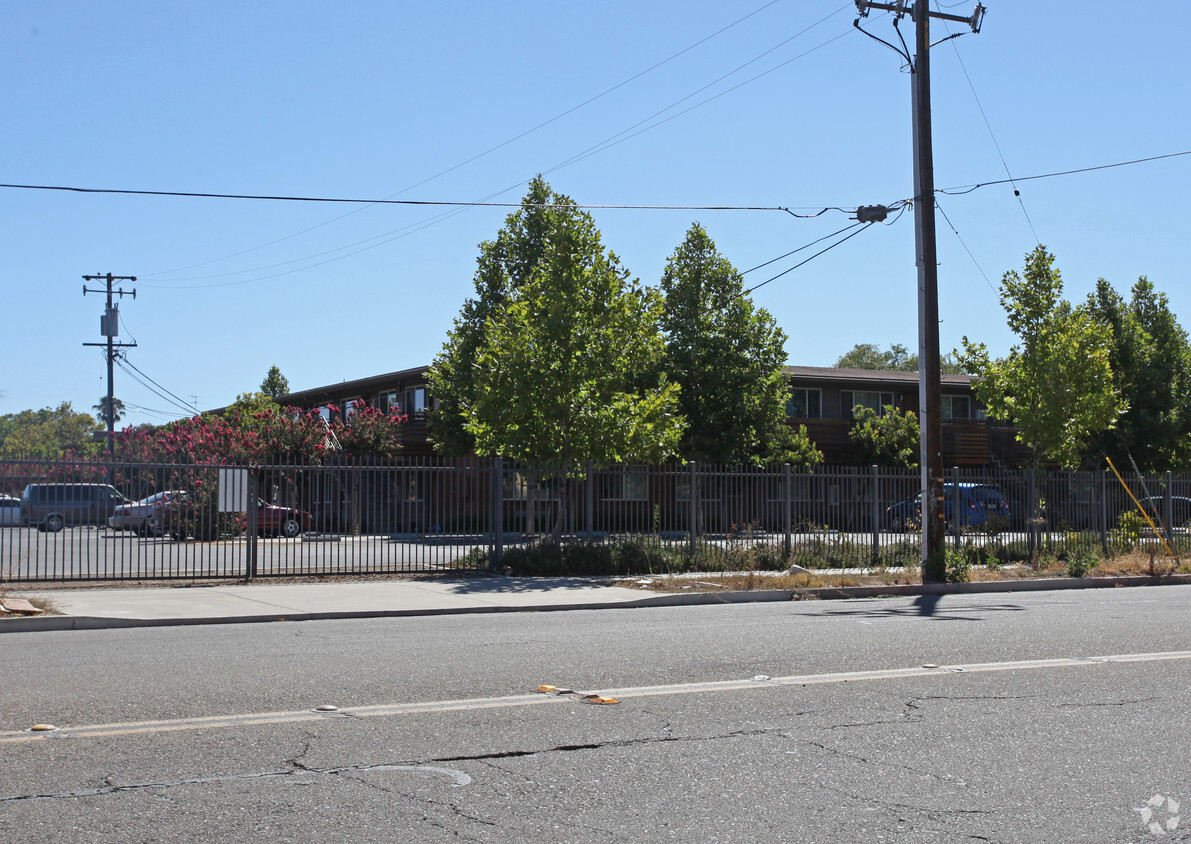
(54, 523)
(178, 534)
(290, 527)
(897, 525)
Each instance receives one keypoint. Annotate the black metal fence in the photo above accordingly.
(426, 515)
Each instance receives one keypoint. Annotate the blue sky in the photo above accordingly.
(463, 101)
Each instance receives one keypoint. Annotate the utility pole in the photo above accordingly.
(109, 327)
(930, 403)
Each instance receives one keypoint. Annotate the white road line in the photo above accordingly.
(625, 694)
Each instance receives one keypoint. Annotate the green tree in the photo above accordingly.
(564, 364)
(1056, 384)
(100, 408)
(728, 357)
(48, 433)
(275, 384)
(1151, 364)
(897, 358)
(890, 438)
(504, 265)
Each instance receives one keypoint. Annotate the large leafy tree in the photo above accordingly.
(557, 356)
(1056, 384)
(1151, 364)
(504, 265)
(48, 433)
(728, 357)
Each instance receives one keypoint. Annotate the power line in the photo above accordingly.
(613, 140)
(965, 189)
(867, 226)
(966, 249)
(490, 150)
(429, 202)
(991, 134)
(607, 143)
(128, 367)
(799, 249)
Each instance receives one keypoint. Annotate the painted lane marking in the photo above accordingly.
(538, 699)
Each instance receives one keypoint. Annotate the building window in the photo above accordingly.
(409, 401)
(628, 483)
(873, 400)
(956, 407)
(350, 407)
(804, 403)
(415, 400)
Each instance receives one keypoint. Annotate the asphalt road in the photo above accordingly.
(810, 722)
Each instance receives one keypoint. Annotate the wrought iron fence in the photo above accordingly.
(132, 521)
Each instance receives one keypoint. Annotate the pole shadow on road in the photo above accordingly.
(928, 606)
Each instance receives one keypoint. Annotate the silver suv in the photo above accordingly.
(51, 507)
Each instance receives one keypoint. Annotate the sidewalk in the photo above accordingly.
(264, 601)
(240, 603)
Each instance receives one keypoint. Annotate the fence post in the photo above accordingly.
(694, 509)
(956, 500)
(1168, 508)
(589, 500)
(498, 512)
(876, 515)
(1032, 510)
(788, 499)
(1102, 488)
(253, 524)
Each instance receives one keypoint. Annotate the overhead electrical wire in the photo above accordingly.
(991, 134)
(432, 202)
(966, 189)
(501, 145)
(156, 388)
(459, 207)
(966, 249)
(613, 140)
(189, 411)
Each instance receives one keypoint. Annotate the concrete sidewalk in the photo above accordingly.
(241, 603)
(264, 601)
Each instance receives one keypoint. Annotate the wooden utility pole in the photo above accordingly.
(930, 403)
(109, 327)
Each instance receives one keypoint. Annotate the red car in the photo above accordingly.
(179, 520)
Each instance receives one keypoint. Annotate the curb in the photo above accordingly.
(832, 593)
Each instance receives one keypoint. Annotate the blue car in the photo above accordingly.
(979, 505)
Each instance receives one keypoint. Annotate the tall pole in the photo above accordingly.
(109, 326)
(929, 381)
(930, 403)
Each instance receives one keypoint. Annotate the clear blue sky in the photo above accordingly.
(447, 101)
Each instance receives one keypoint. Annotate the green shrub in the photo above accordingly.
(1080, 564)
(958, 563)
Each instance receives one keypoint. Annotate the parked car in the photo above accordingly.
(10, 510)
(136, 515)
(51, 507)
(178, 519)
(980, 505)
